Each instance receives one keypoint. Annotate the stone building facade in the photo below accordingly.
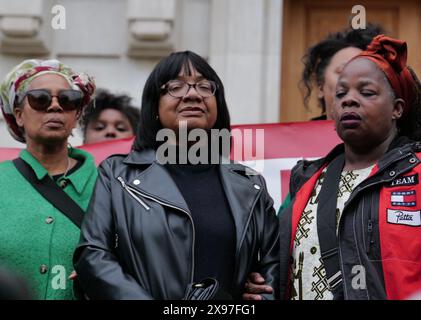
(120, 41)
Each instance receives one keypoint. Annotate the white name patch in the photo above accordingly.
(409, 218)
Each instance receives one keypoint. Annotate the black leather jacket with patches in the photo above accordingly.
(379, 238)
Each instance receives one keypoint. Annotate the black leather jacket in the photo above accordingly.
(138, 238)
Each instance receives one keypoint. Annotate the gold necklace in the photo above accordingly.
(63, 181)
(68, 167)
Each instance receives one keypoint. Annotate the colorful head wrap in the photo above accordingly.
(390, 56)
(21, 76)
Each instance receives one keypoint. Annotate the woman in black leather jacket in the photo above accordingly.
(163, 217)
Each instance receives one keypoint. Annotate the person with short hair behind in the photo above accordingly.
(324, 61)
(107, 117)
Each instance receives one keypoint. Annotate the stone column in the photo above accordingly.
(245, 51)
(25, 27)
(150, 27)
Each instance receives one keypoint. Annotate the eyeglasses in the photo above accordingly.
(40, 99)
(178, 88)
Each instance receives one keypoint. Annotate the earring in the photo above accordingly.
(157, 118)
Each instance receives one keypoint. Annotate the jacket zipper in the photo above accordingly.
(367, 240)
(237, 253)
(369, 230)
(116, 241)
(370, 235)
(132, 190)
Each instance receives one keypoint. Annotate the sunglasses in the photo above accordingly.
(40, 99)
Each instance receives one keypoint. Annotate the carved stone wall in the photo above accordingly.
(120, 41)
(24, 27)
(151, 27)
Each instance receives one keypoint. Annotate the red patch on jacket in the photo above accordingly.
(400, 238)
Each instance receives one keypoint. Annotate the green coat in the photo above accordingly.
(36, 239)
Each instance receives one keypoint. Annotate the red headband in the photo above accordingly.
(390, 56)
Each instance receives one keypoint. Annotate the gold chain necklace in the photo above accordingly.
(68, 167)
(63, 181)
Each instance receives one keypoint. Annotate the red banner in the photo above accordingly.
(283, 145)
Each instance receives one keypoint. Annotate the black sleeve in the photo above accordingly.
(99, 272)
(269, 250)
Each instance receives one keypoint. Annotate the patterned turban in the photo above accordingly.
(18, 80)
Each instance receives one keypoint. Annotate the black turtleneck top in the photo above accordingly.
(215, 240)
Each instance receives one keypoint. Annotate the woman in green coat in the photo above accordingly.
(41, 102)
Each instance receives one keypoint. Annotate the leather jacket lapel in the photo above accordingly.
(157, 183)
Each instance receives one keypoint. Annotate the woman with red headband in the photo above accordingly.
(353, 229)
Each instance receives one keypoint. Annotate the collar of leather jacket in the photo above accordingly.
(147, 156)
(242, 188)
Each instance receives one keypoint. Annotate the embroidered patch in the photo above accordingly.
(405, 181)
(404, 198)
(405, 217)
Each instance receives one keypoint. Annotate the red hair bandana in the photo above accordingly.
(390, 56)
